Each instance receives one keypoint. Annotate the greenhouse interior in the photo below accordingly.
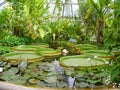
(59, 45)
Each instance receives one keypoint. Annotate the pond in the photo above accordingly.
(57, 73)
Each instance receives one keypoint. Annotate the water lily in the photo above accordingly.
(95, 56)
(89, 59)
(75, 65)
(1, 69)
(107, 62)
(64, 51)
(119, 85)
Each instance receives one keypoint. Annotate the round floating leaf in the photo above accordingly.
(33, 81)
(51, 79)
(13, 57)
(13, 70)
(82, 61)
(41, 83)
(83, 84)
(5, 77)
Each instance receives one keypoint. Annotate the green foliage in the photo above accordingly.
(115, 71)
(35, 11)
(110, 37)
(4, 49)
(2, 18)
(22, 17)
(15, 40)
(112, 33)
(88, 17)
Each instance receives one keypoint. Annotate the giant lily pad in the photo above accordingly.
(82, 61)
(13, 57)
(29, 47)
(49, 53)
(87, 46)
(24, 48)
(99, 53)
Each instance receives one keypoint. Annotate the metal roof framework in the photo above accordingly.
(3, 3)
(69, 9)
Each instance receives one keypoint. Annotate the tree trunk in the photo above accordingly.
(100, 31)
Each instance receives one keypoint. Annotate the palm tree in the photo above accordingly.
(101, 7)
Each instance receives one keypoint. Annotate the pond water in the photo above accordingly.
(51, 74)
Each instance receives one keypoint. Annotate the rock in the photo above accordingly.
(1, 69)
(72, 40)
(83, 84)
(41, 84)
(91, 74)
(51, 85)
(71, 81)
(62, 84)
(92, 86)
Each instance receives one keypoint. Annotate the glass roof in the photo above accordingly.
(2, 4)
(69, 8)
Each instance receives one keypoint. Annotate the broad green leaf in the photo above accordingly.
(35, 27)
(54, 36)
(115, 72)
(95, 5)
(107, 2)
(88, 13)
(101, 4)
(42, 33)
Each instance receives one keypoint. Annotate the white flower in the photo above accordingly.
(65, 51)
(1, 69)
(75, 65)
(95, 56)
(89, 59)
(107, 62)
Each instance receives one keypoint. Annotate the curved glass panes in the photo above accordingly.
(63, 8)
(2, 4)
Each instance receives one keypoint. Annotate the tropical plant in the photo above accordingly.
(35, 11)
(4, 22)
(84, 21)
(113, 42)
(57, 27)
(28, 17)
(112, 32)
(15, 40)
(4, 49)
(15, 18)
(101, 7)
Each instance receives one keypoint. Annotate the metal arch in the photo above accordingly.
(3, 3)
